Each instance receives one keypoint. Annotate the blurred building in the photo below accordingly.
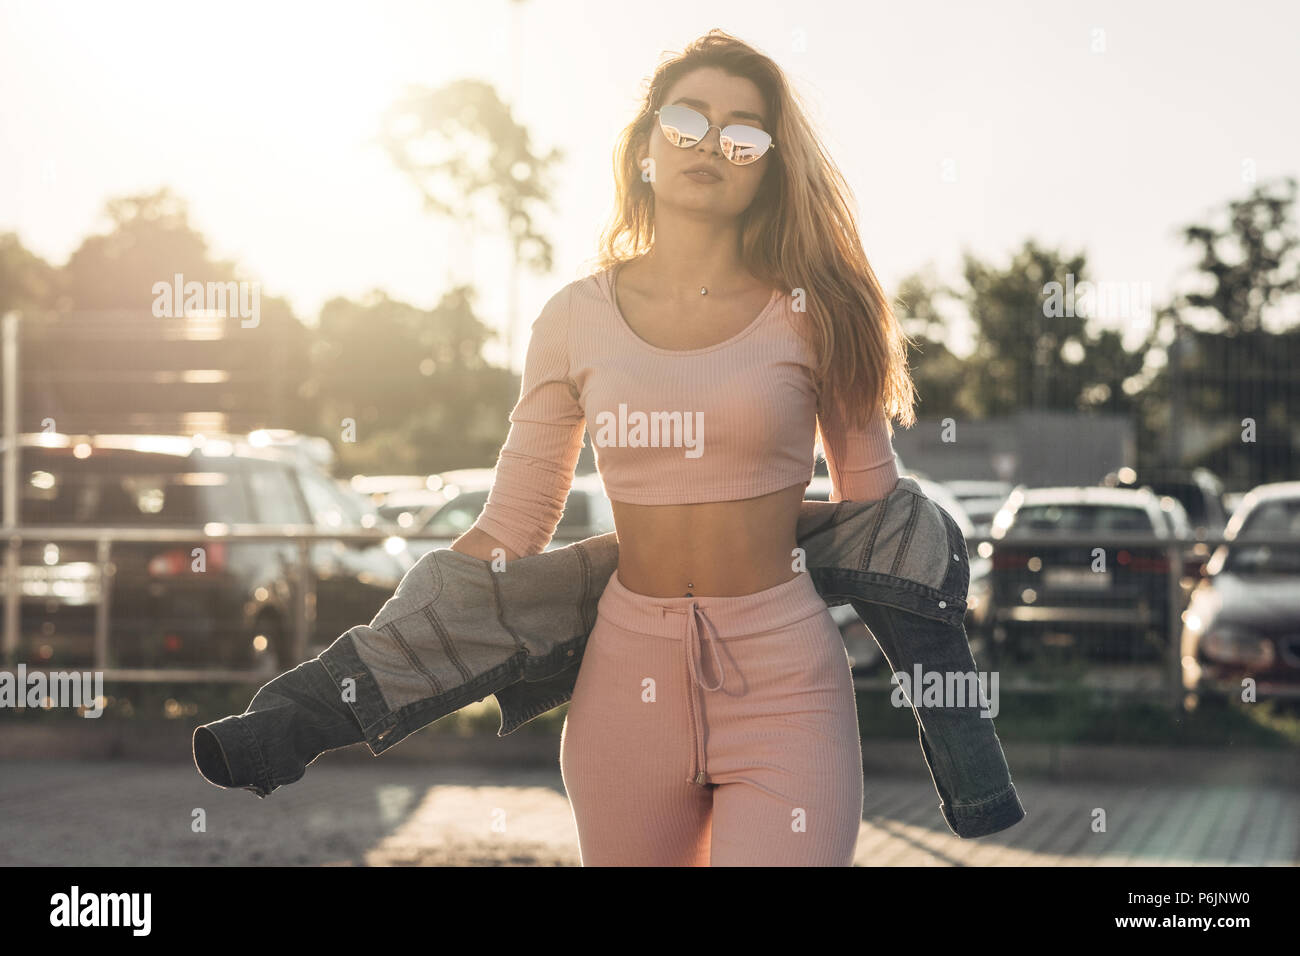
(1031, 447)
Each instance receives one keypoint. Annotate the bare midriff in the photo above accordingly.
(718, 548)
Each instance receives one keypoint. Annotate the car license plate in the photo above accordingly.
(74, 583)
(1076, 578)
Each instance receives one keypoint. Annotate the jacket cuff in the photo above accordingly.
(988, 816)
(227, 754)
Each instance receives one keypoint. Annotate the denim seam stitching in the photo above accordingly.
(501, 614)
(435, 564)
(1002, 794)
(261, 773)
(869, 546)
(908, 528)
(416, 664)
(587, 580)
(446, 641)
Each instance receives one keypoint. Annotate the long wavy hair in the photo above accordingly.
(799, 233)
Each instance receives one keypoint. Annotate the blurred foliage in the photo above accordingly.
(395, 388)
(1226, 362)
(1251, 257)
(1021, 359)
(1248, 260)
(424, 400)
(1073, 713)
(27, 282)
(415, 381)
(461, 147)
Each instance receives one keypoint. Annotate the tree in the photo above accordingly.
(414, 381)
(463, 150)
(28, 283)
(1036, 345)
(106, 362)
(1252, 260)
(1225, 365)
(941, 386)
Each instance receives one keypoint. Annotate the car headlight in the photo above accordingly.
(1231, 645)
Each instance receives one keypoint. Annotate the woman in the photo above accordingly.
(713, 720)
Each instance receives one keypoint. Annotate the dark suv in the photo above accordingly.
(198, 603)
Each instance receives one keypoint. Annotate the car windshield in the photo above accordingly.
(1278, 517)
(125, 488)
(1263, 559)
(455, 517)
(1075, 518)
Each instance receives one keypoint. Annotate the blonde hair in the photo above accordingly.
(799, 233)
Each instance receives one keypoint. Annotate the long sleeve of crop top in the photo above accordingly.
(534, 470)
(860, 462)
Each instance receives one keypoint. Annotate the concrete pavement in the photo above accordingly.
(387, 813)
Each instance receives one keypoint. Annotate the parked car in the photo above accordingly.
(1199, 491)
(966, 489)
(1201, 494)
(408, 510)
(981, 512)
(1243, 620)
(587, 511)
(1045, 593)
(170, 604)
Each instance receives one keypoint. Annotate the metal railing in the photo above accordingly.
(305, 581)
(304, 586)
(1178, 552)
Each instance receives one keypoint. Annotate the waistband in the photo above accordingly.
(733, 616)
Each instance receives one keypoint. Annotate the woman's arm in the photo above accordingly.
(534, 470)
(860, 461)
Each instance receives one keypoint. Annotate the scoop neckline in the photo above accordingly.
(611, 288)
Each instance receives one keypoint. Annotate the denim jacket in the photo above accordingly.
(456, 631)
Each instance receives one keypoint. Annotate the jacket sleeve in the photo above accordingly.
(534, 470)
(860, 462)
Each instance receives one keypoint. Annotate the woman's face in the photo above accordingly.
(724, 99)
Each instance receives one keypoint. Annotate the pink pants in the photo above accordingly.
(715, 731)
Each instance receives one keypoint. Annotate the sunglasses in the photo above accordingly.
(684, 127)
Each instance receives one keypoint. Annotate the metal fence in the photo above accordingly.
(305, 585)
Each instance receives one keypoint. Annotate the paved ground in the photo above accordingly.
(93, 813)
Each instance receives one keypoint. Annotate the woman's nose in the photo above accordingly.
(711, 142)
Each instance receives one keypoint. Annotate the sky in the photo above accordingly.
(1097, 127)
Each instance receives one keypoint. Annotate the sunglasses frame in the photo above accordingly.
(721, 132)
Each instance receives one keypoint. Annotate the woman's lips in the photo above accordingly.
(702, 176)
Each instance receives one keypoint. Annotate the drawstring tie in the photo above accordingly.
(693, 666)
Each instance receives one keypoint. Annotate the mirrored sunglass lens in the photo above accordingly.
(682, 126)
(744, 144)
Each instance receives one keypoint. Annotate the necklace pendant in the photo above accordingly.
(703, 291)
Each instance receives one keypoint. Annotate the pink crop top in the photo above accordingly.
(720, 423)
